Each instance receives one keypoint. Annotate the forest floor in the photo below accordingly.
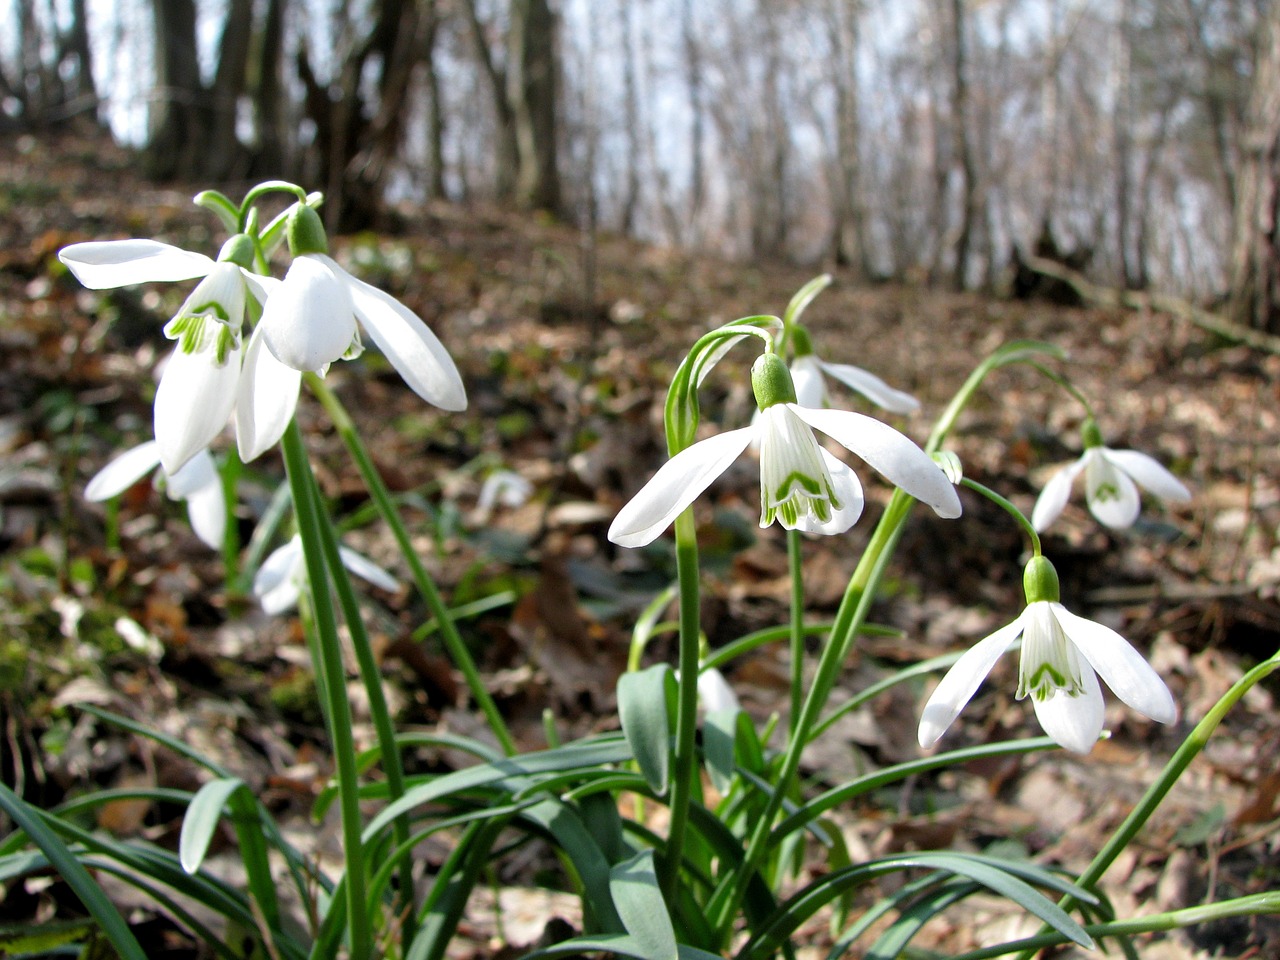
(566, 348)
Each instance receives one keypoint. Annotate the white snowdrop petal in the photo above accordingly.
(806, 377)
(848, 490)
(714, 692)
(891, 453)
(1053, 498)
(196, 474)
(1149, 473)
(193, 403)
(1125, 671)
(103, 265)
(676, 485)
(961, 682)
(1073, 721)
(207, 510)
(309, 320)
(410, 346)
(366, 569)
(1112, 497)
(872, 387)
(123, 472)
(267, 395)
(280, 566)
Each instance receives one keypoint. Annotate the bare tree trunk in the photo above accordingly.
(223, 152)
(179, 112)
(1121, 122)
(851, 246)
(631, 108)
(532, 90)
(270, 160)
(969, 212)
(697, 107)
(1255, 247)
(506, 149)
(435, 104)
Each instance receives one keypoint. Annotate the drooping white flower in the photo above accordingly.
(197, 482)
(801, 485)
(283, 575)
(311, 320)
(807, 371)
(1111, 481)
(210, 374)
(502, 487)
(1062, 657)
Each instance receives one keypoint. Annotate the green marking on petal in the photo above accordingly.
(1106, 491)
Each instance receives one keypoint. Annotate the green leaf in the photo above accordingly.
(803, 297)
(619, 946)
(73, 872)
(586, 755)
(646, 702)
(201, 820)
(1002, 878)
(719, 731)
(634, 885)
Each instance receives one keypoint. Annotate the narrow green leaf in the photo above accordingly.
(803, 297)
(645, 702)
(634, 885)
(201, 820)
(719, 732)
(77, 877)
(619, 946)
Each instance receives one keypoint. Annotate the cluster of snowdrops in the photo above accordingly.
(722, 871)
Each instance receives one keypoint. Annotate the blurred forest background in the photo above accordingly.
(919, 139)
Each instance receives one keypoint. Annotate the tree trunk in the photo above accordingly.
(850, 243)
(271, 156)
(224, 156)
(963, 144)
(435, 103)
(532, 91)
(1255, 248)
(178, 126)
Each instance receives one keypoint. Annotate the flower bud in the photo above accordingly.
(238, 250)
(305, 232)
(1090, 435)
(1040, 581)
(771, 381)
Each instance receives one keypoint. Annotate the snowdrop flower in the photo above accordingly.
(197, 482)
(211, 374)
(283, 575)
(310, 321)
(807, 371)
(502, 487)
(1111, 481)
(801, 485)
(1062, 654)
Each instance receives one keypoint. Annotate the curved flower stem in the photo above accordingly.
(795, 562)
(687, 705)
(426, 586)
(371, 676)
(1151, 800)
(230, 478)
(329, 668)
(1009, 508)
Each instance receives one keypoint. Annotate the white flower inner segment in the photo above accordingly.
(1101, 479)
(794, 480)
(1049, 661)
